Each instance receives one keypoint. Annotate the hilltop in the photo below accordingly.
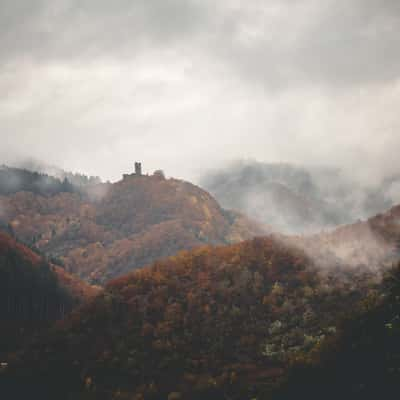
(105, 230)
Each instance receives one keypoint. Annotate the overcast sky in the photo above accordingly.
(93, 85)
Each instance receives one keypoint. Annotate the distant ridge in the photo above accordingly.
(296, 199)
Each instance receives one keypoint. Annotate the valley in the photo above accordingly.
(211, 320)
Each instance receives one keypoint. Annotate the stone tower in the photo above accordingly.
(138, 168)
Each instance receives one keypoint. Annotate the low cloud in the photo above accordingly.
(186, 85)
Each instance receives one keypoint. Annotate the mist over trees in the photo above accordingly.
(360, 363)
(13, 180)
(209, 322)
(218, 279)
(298, 199)
(77, 179)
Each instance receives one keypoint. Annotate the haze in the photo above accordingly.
(93, 85)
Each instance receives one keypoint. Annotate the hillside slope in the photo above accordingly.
(111, 229)
(33, 293)
(212, 323)
(373, 244)
(362, 362)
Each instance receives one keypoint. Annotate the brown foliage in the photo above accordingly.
(133, 223)
(213, 320)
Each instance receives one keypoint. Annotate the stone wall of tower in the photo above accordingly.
(138, 168)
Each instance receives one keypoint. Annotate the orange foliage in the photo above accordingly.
(134, 222)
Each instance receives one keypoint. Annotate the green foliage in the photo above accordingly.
(363, 362)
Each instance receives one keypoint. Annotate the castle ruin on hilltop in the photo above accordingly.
(138, 171)
(138, 168)
(159, 173)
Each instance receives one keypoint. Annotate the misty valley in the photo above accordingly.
(199, 200)
(146, 288)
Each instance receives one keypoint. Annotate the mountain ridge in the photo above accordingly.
(296, 199)
(108, 229)
(213, 321)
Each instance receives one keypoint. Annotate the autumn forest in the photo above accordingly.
(199, 200)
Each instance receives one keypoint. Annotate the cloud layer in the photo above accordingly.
(182, 85)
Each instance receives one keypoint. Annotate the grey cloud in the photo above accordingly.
(44, 30)
(91, 84)
(354, 42)
(318, 42)
(277, 43)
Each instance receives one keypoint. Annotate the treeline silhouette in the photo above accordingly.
(30, 294)
(13, 180)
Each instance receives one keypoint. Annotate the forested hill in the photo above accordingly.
(33, 293)
(212, 323)
(362, 361)
(372, 244)
(110, 229)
